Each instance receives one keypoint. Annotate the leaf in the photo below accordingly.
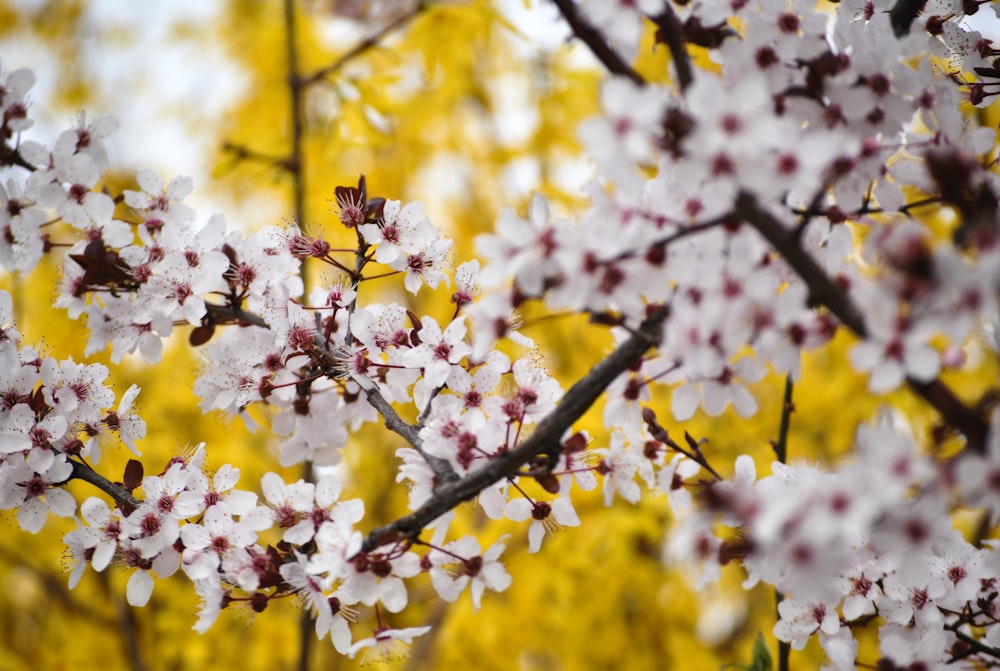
(761, 660)
(133, 474)
(201, 334)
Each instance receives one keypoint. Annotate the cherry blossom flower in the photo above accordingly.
(618, 465)
(34, 494)
(800, 620)
(546, 518)
(386, 644)
(376, 577)
(460, 563)
(206, 544)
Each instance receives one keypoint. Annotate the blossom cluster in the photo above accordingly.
(737, 219)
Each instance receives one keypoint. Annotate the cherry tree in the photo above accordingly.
(738, 217)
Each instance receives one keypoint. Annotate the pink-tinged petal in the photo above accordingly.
(495, 577)
(301, 533)
(218, 519)
(166, 563)
(715, 398)
(746, 470)
(226, 478)
(447, 588)
(139, 589)
(478, 587)
(865, 356)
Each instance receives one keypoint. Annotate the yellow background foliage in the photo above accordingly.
(422, 114)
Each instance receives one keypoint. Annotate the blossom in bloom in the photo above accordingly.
(34, 494)
(206, 544)
(460, 563)
(801, 620)
(386, 644)
(546, 518)
(618, 465)
(375, 577)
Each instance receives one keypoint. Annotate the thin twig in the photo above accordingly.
(787, 408)
(295, 166)
(973, 643)
(245, 153)
(369, 42)
(781, 450)
(11, 156)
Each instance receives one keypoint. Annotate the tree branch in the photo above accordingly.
(673, 35)
(367, 43)
(122, 496)
(442, 469)
(574, 403)
(596, 42)
(11, 156)
(223, 314)
(824, 291)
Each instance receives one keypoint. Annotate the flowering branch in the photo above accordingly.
(574, 403)
(369, 42)
(117, 491)
(596, 42)
(824, 291)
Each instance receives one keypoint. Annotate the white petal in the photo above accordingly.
(684, 401)
(149, 181)
(139, 588)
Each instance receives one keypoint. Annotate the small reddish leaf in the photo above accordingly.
(201, 334)
(133, 474)
(549, 483)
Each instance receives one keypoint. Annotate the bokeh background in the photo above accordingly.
(467, 106)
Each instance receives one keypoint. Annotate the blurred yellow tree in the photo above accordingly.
(455, 104)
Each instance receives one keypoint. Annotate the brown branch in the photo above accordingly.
(443, 471)
(11, 156)
(574, 403)
(245, 153)
(596, 42)
(117, 491)
(224, 314)
(824, 291)
(672, 34)
(369, 42)
(973, 644)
